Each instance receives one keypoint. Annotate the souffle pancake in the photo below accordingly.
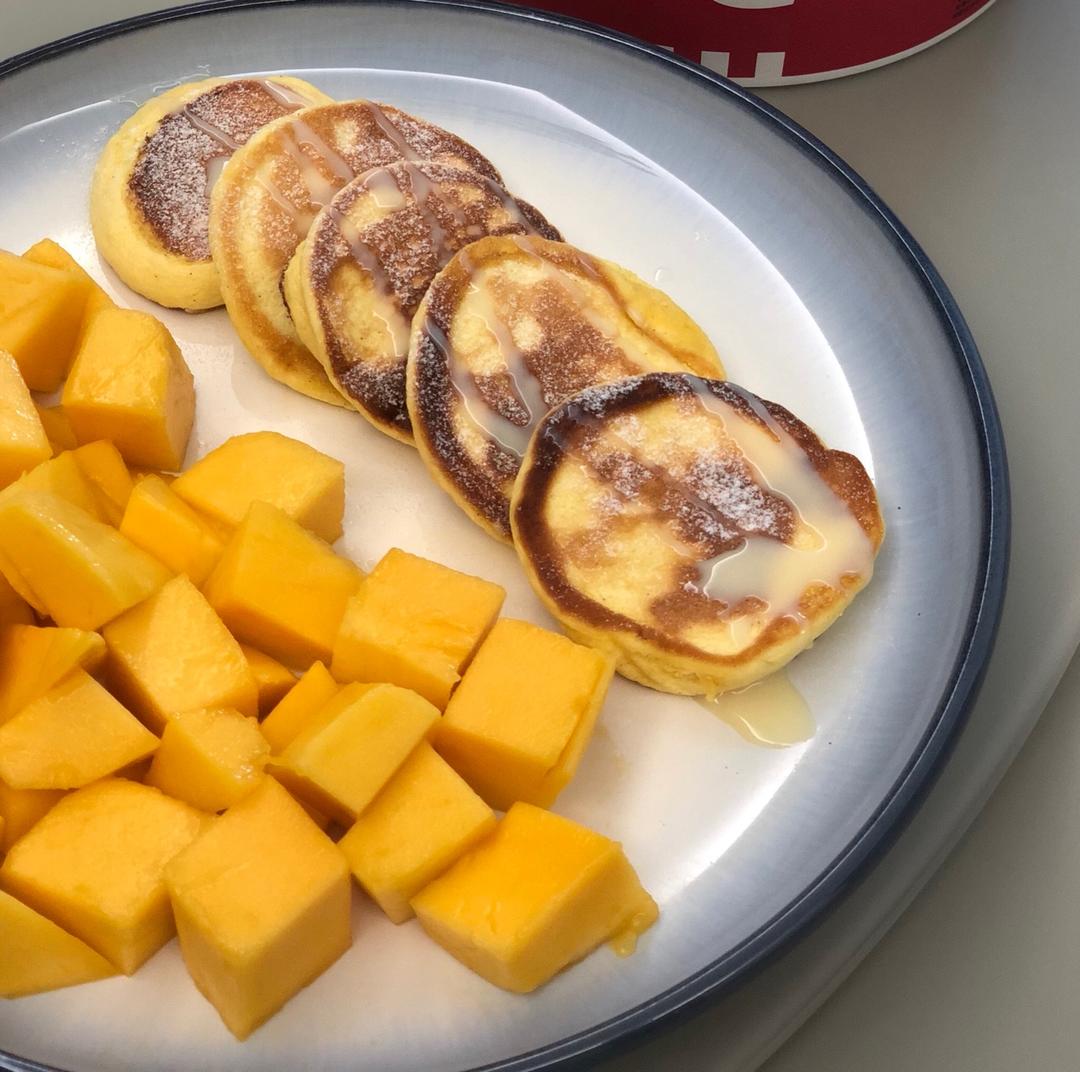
(511, 327)
(700, 535)
(150, 196)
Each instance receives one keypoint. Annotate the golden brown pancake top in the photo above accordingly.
(708, 509)
(171, 182)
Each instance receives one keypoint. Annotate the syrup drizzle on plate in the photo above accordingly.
(771, 712)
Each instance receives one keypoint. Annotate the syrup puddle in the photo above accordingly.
(770, 712)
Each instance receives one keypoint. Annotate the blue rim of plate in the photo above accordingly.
(899, 805)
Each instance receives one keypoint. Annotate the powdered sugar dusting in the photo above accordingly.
(382, 388)
(738, 502)
(704, 490)
(170, 178)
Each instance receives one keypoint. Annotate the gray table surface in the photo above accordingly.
(974, 145)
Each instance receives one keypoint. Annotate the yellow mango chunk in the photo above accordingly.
(39, 955)
(517, 725)
(272, 679)
(23, 443)
(281, 589)
(299, 480)
(20, 587)
(415, 624)
(14, 610)
(73, 735)
(82, 572)
(129, 384)
(424, 818)
(20, 809)
(41, 312)
(105, 469)
(57, 428)
(33, 659)
(173, 653)
(159, 521)
(298, 707)
(210, 758)
(262, 905)
(538, 895)
(61, 476)
(353, 746)
(95, 865)
(53, 255)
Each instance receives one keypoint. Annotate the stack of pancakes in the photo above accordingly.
(371, 259)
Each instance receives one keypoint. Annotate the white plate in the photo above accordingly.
(814, 297)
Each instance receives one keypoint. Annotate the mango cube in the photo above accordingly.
(129, 384)
(95, 865)
(159, 521)
(353, 746)
(105, 469)
(272, 680)
(173, 653)
(281, 589)
(517, 725)
(39, 955)
(14, 579)
(53, 255)
(73, 735)
(424, 818)
(262, 903)
(23, 443)
(57, 428)
(415, 624)
(61, 476)
(210, 758)
(41, 312)
(299, 480)
(33, 659)
(82, 572)
(20, 809)
(14, 610)
(93, 477)
(538, 895)
(298, 707)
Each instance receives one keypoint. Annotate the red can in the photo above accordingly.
(778, 42)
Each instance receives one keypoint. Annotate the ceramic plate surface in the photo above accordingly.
(816, 298)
